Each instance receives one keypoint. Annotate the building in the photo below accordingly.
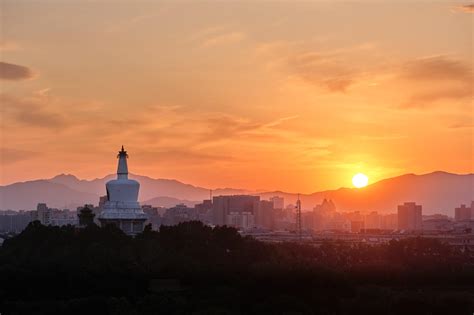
(278, 202)
(389, 221)
(121, 207)
(43, 214)
(324, 214)
(338, 222)
(437, 225)
(13, 221)
(372, 221)
(357, 226)
(222, 206)
(462, 213)
(307, 220)
(64, 217)
(264, 215)
(204, 211)
(153, 215)
(327, 206)
(179, 213)
(241, 220)
(410, 217)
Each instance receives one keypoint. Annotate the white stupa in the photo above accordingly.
(122, 208)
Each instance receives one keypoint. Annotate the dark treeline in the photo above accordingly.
(194, 269)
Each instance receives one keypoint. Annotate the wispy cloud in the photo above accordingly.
(437, 68)
(461, 125)
(466, 8)
(322, 69)
(330, 69)
(128, 23)
(436, 78)
(31, 112)
(223, 39)
(10, 155)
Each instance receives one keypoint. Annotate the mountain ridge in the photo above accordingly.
(438, 192)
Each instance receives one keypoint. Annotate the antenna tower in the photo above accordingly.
(298, 218)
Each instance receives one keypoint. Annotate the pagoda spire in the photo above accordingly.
(122, 169)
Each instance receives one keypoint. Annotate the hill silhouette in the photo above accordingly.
(437, 192)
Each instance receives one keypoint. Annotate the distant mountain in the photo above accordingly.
(437, 192)
(25, 196)
(149, 187)
(68, 191)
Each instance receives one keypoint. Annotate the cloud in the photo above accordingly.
(10, 71)
(223, 128)
(466, 8)
(434, 79)
(437, 68)
(325, 70)
(128, 23)
(318, 63)
(185, 155)
(224, 39)
(461, 125)
(10, 156)
(31, 112)
(280, 121)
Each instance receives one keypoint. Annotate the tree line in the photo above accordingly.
(192, 268)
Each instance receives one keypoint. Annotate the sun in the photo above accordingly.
(360, 180)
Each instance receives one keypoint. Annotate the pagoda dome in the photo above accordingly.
(122, 189)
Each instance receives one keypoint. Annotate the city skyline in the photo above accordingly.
(293, 97)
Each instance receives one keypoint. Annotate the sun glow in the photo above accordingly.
(360, 180)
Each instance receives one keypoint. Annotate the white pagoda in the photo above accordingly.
(122, 208)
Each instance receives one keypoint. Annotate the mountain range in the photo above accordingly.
(437, 192)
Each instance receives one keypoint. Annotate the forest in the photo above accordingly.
(192, 268)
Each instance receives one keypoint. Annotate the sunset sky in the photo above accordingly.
(295, 96)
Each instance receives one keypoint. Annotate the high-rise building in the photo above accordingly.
(13, 221)
(222, 206)
(264, 216)
(324, 213)
(278, 202)
(389, 221)
(121, 207)
(462, 213)
(410, 216)
(43, 214)
(372, 220)
(204, 211)
(241, 220)
(179, 213)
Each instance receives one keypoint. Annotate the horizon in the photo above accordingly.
(286, 96)
(259, 190)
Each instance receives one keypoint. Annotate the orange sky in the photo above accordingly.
(252, 94)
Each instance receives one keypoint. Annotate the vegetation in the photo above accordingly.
(194, 269)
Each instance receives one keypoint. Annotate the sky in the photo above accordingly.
(285, 95)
